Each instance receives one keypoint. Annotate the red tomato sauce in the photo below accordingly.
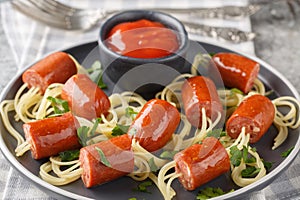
(142, 39)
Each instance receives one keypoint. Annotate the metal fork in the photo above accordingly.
(56, 14)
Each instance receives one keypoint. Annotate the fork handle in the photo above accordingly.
(226, 12)
(228, 34)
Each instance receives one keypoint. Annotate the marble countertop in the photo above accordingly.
(277, 26)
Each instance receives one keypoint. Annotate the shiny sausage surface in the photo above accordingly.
(200, 163)
(55, 68)
(118, 153)
(84, 97)
(155, 124)
(200, 92)
(52, 135)
(256, 113)
(236, 71)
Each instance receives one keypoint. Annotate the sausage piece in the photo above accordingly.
(201, 163)
(84, 97)
(55, 68)
(118, 153)
(50, 136)
(200, 92)
(155, 124)
(236, 71)
(256, 114)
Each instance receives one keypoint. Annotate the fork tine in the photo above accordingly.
(59, 7)
(34, 12)
(49, 8)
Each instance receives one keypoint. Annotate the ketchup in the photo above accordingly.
(142, 39)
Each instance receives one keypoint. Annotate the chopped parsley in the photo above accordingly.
(142, 187)
(250, 172)
(153, 166)
(210, 192)
(287, 152)
(60, 106)
(212, 54)
(168, 155)
(119, 130)
(236, 156)
(103, 158)
(217, 133)
(84, 133)
(96, 74)
(69, 155)
(268, 165)
(130, 113)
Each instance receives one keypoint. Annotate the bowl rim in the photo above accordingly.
(110, 23)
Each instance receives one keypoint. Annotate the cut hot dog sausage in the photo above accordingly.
(50, 136)
(200, 92)
(55, 68)
(154, 125)
(84, 97)
(201, 163)
(236, 71)
(256, 114)
(118, 153)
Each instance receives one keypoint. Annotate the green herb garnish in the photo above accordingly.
(247, 157)
(287, 152)
(250, 172)
(217, 133)
(168, 155)
(69, 155)
(142, 187)
(60, 106)
(103, 158)
(210, 192)
(236, 156)
(268, 165)
(119, 130)
(153, 166)
(212, 54)
(84, 133)
(130, 113)
(236, 91)
(96, 74)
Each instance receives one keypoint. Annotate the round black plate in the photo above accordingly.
(122, 188)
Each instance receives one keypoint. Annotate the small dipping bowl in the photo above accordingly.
(145, 76)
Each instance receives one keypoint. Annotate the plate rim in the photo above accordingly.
(41, 184)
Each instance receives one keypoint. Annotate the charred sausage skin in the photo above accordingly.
(256, 113)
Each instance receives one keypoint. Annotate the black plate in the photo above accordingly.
(123, 187)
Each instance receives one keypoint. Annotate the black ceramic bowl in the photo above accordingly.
(144, 76)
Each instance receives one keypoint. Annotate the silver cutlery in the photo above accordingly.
(56, 14)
